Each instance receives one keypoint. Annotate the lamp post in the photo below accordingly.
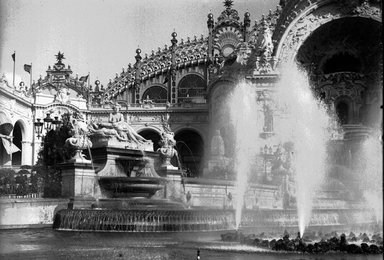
(47, 124)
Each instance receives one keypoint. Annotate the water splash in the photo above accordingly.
(306, 123)
(371, 170)
(243, 116)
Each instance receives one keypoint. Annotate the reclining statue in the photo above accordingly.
(116, 126)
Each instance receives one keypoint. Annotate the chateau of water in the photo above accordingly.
(270, 127)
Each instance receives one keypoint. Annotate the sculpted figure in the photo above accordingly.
(116, 126)
(217, 145)
(79, 136)
(265, 41)
(167, 150)
(62, 95)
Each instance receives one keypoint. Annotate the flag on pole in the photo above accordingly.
(84, 78)
(14, 56)
(9, 147)
(27, 68)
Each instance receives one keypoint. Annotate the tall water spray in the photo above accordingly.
(243, 116)
(306, 124)
(371, 170)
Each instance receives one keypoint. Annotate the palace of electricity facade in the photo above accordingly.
(185, 84)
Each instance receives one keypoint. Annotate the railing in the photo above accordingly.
(19, 182)
(27, 196)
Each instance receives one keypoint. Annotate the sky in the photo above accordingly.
(100, 37)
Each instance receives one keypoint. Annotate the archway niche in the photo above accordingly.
(17, 138)
(190, 147)
(152, 135)
(156, 94)
(191, 87)
(342, 112)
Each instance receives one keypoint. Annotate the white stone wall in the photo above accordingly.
(17, 213)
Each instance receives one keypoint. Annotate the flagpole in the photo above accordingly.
(30, 77)
(89, 91)
(33, 118)
(14, 66)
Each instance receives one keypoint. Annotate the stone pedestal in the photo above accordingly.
(78, 180)
(174, 188)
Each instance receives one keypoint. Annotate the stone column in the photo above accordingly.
(26, 153)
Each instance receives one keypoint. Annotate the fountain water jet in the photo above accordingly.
(371, 169)
(307, 125)
(243, 114)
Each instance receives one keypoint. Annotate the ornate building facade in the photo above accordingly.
(184, 86)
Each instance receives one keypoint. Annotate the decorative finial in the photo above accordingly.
(138, 57)
(228, 4)
(247, 20)
(59, 57)
(174, 40)
(210, 21)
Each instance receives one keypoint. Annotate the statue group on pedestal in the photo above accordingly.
(116, 126)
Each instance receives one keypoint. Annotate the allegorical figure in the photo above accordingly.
(217, 145)
(116, 126)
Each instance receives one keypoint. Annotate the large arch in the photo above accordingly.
(348, 44)
(292, 33)
(190, 146)
(344, 66)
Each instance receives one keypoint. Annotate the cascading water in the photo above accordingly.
(243, 114)
(305, 122)
(371, 170)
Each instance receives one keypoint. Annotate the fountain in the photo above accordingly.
(308, 128)
(370, 166)
(272, 144)
(242, 108)
(302, 133)
(127, 194)
(135, 189)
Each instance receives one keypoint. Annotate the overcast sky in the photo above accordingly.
(101, 36)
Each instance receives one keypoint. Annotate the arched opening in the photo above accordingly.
(156, 94)
(351, 49)
(190, 147)
(342, 111)
(6, 128)
(191, 87)
(152, 135)
(4, 157)
(341, 62)
(17, 138)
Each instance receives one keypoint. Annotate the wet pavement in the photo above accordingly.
(50, 244)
